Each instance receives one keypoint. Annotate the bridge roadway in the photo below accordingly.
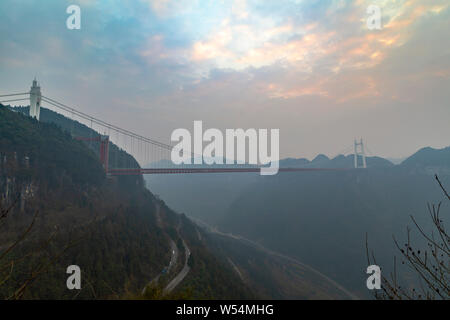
(139, 171)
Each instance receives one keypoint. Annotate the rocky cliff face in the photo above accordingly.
(16, 187)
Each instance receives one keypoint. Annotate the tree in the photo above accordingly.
(431, 266)
(9, 262)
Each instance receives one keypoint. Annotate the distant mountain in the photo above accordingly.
(320, 160)
(208, 197)
(397, 160)
(320, 218)
(340, 161)
(294, 163)
(429, 160)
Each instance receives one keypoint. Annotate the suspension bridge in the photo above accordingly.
(152, 156)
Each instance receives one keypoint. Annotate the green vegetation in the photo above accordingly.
(108, 227)
(53, 155)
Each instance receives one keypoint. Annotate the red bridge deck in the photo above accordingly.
(122, 172)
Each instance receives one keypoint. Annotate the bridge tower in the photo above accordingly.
(104, 151)
(35, 100)
(103, 140)
(361, 153)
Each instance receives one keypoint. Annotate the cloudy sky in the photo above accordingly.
(310, 68)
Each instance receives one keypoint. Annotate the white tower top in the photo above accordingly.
(35, 100)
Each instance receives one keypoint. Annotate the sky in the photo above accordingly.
(312, 69)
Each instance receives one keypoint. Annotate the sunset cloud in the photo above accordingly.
(289, 62)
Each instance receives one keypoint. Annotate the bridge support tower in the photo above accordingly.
(35, 100)
(103, 140)
(359, 151)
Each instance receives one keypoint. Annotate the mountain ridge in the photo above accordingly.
(122, 241)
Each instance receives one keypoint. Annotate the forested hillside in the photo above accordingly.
(114, 229)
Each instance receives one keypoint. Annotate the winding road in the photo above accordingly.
(274, 253)
(173, 259)
(182, 274)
